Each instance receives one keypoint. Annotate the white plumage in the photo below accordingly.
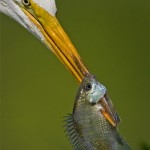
(10, 8)
(48, 5)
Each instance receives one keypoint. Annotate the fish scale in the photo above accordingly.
(86, 127)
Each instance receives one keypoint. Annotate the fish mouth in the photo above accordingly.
(108, 111)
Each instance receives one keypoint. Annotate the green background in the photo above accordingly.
(113, 39)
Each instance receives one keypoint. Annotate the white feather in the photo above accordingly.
(10, 8)
(48, 5)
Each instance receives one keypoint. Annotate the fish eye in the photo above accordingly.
(87, 87)
(26, 2)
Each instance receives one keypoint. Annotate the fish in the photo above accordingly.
(93, 124)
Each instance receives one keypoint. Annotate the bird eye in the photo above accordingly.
(88, 87)
(26, 2)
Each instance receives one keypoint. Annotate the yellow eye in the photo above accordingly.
(26, 2)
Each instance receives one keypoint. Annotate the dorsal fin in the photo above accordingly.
(72, 133)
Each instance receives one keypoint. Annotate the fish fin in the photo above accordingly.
(71, 131)
(117, 118)
(122, 144)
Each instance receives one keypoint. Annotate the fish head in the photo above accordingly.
(95, 95)
(92, 89)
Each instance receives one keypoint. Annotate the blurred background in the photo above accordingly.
(113, 39)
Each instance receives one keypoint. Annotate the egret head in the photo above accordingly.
(14, 9)
(38, 16)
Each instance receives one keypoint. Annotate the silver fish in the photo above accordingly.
(93, 125)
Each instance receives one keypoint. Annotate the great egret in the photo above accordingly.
(38, 16)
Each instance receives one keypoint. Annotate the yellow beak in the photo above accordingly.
(57, 40)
